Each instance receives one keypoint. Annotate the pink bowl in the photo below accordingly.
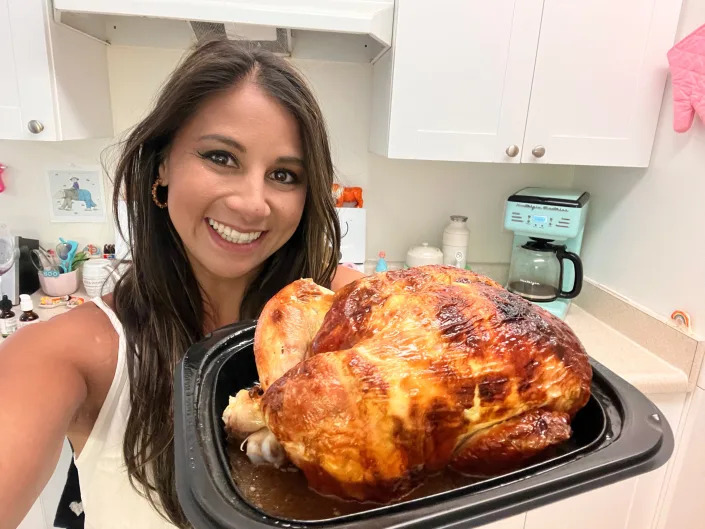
(64, 285)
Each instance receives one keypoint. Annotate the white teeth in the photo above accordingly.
(232, 235)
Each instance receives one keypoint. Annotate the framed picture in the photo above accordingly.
(76, 194)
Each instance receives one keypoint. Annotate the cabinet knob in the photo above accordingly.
(512, 151)
(35, 127)
(538, 151)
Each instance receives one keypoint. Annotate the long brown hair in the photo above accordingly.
(158, 300)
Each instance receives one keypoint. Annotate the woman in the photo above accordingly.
(228, 182)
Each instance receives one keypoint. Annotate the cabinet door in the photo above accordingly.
(629, 504)
(599, 79)
(683, 506)
(10, 113)
(26, 91)
(603, 508)
(461, 78)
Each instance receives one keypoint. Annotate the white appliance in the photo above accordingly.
(22, 277)
(683, 507)
(353, 231)
(352, 17)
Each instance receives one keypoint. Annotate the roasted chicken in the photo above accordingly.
(402, 374)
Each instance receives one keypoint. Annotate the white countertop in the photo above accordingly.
(635, 364)
(638, 366)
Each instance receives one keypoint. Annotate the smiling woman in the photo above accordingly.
(228, 189)
(236, 191)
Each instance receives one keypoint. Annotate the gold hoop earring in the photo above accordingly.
(155, 199)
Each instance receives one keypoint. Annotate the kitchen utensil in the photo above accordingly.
(43, 262)
(423, 255)
(556, 216)
(619, 434)
(537, 268)
(455, 241)
(65, 251)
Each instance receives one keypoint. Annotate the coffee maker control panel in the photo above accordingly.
(537, 220)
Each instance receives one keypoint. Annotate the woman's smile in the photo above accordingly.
(232, 239)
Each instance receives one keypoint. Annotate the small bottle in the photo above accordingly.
(28, 315)
(8, 320)
(381, 263)
(455, 242)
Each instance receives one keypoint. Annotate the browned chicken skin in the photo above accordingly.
(410, 372)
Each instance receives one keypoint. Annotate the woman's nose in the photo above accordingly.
(248, 199)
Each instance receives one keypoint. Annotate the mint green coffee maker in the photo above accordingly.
(548, 226)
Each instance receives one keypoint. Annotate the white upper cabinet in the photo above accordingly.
(599, 79)
(54, 82)
(461, 78)
(535, 81)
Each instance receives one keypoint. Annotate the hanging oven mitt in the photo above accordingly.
(687, 62)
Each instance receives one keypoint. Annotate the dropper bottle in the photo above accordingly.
(8, 320)
(28, 315)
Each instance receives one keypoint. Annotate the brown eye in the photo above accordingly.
(284, 176)
(222, 158)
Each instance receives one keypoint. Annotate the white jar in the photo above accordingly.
(95, 277)
(423, 255)
(456, 237)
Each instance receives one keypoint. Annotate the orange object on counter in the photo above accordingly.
(347, 194)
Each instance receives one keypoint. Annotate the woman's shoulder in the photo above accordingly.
(85, 321)
(83, 336)
(343, 276)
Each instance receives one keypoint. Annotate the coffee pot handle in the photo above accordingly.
(562, 254)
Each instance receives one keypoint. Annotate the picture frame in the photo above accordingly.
(76, 194)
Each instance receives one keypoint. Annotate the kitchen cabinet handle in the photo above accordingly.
(512, 151)
(35, 127)
(538, 151)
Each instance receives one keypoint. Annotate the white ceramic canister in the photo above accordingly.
(456, 237)
(423, 255)
(95, 275)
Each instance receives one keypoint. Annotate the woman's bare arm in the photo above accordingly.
(43, 384)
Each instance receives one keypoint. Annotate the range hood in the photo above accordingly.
(357, 17)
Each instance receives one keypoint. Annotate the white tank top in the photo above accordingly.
(109, 500)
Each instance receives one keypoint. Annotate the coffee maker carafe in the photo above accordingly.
(548, 226)
(536, 271)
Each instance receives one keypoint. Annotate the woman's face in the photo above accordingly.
(236, 183)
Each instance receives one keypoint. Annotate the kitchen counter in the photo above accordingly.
(638, 366)
(46, 314)
(634, 363)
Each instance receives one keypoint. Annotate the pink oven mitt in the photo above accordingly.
(687, 62)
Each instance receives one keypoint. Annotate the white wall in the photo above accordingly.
(25, 204)
(408, 201)
(646, 233)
